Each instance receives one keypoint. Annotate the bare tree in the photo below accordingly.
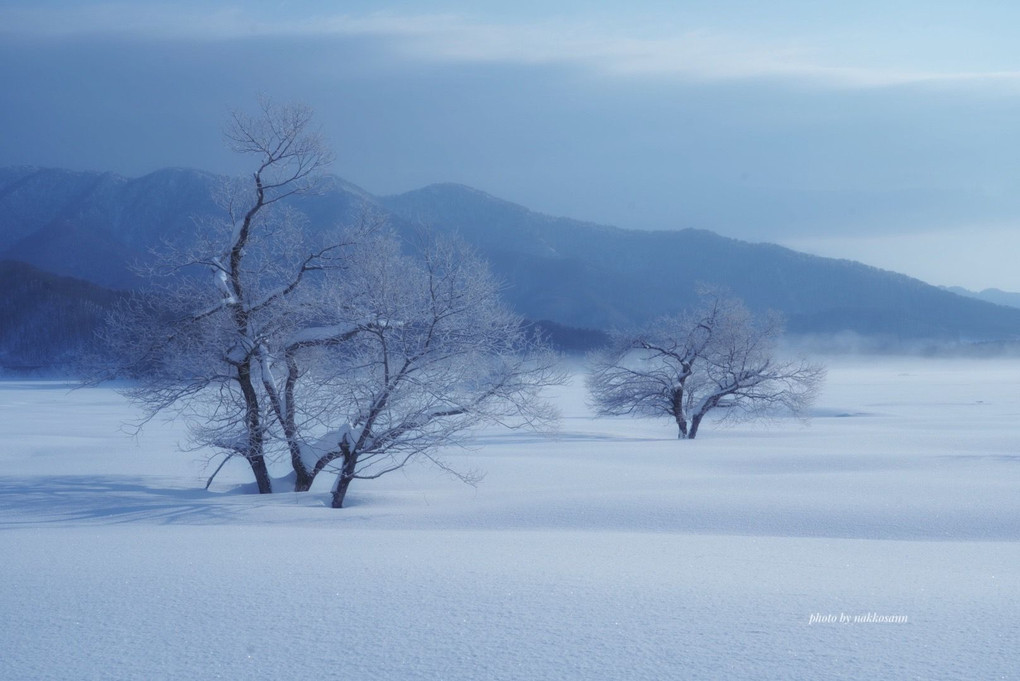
(429, 353)
(340, 355)
(718, 357)
(194, 343)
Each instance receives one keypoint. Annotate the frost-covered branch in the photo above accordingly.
(683, 367)
(435, 355)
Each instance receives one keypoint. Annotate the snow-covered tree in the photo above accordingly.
(334, 353)
(430, 353)
(193, 342)
(718, 357)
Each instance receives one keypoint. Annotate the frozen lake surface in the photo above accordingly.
(612, 551)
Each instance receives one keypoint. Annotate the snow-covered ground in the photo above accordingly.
(611, 552)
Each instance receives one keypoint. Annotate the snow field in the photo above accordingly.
(610, 552)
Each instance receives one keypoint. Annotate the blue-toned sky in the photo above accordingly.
(887, 132)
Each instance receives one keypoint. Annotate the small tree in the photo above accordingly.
(718, 357)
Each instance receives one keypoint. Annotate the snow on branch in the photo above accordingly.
(716, 357)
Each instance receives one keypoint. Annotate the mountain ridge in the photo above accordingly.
(991, 295)
(819, 295)
(579, 274)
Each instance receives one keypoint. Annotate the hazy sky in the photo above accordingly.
(879, 131)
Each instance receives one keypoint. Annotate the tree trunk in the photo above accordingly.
(340, 491)
(681, 423)
(695, 422)
(253, 424)
(678, 412)
(302, 480)
(258, 467)
(344, 480)
(303, 477)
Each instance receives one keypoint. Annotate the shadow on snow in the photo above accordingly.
(112, 499)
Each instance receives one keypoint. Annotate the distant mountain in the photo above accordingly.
(591, 275)
(46, 321)
(96, 226)
(989, 295)
(571, 273)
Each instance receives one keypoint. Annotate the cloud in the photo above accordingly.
(630, 50)
(758, 133)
